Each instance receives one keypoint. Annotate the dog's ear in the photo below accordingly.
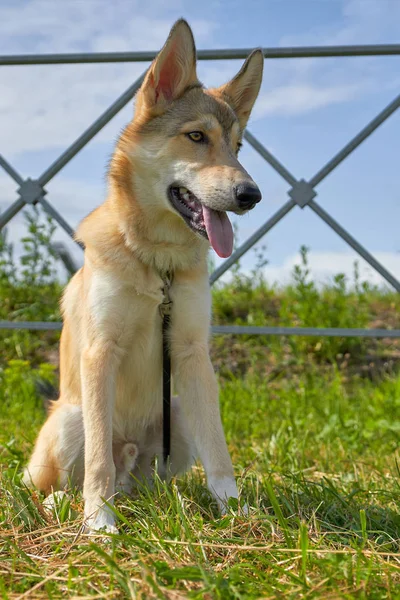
(172, 71)
(241, 92)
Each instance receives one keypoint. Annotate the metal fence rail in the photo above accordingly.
(238, 330)
(301, 193)
(230, 54)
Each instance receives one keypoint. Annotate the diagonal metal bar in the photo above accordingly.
(355, 142)
(65, 157)
(65, 256)
(10, 170)
(60, 220)
(354, 244)
(90, 132)
(14, 209)
(10, 212)
(270, 158)
(253, 239)
(223, 54)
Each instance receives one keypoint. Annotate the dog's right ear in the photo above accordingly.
(171, 72)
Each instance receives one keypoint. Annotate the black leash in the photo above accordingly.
(165, 311)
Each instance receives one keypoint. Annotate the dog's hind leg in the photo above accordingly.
(182, 452)
(58, 453)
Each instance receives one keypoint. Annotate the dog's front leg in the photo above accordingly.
(198, 391)
(97, 372)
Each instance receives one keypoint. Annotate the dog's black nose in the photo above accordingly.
(247, 195)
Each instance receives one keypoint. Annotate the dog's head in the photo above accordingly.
(187, 139)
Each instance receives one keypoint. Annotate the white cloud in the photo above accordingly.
(49, 106)
(91, 26)
(321, 82)
(302, 98)
(325, 265)
(369, 21)
(361, 22)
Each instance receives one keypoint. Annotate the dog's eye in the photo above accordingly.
(238, 146)
(196, 136)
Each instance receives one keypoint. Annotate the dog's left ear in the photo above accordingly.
(171, 72)
(241, 92)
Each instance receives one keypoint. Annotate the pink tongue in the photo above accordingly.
(219, 231)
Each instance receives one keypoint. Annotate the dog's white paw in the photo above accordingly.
(244, 510)
(53, 501)
(223, 488)
(102, 521)
(105, 529)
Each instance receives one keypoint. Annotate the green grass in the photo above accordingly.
(317, 463)
(313, 426)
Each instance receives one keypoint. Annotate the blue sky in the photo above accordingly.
(307, 110)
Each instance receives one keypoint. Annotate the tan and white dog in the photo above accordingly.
(173, 176)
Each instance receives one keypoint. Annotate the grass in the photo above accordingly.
(317, 465)
(313, 426)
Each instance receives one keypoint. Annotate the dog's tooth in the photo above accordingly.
(183, 191)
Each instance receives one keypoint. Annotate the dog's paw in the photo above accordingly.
(102, 521)
(54, 500)
(223, 488)
(232, 506)
(96, 530)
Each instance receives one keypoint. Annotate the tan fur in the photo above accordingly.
(111, 350)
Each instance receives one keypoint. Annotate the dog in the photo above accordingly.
(172, 178)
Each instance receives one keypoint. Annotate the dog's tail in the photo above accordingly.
(47, 391)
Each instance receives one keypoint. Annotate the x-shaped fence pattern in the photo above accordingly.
(301, 193)
(32, 191)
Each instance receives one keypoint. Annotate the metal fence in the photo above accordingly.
(301, 194)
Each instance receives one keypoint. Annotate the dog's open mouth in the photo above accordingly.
(211, 224)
